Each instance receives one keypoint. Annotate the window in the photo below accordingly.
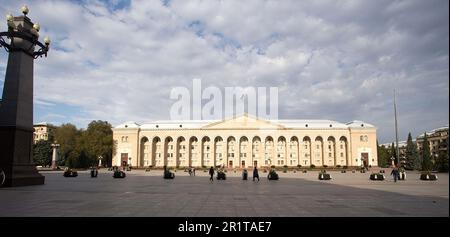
(329, 147)
(306, 146)
(342, 146)
(342, 154)
(329, 154)
(318, 146)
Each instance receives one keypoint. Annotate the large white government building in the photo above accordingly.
(245, 141)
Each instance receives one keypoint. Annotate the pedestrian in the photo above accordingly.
(193, 171)
(190, 171)
(255, 174)
(211, 173)
(395, 173)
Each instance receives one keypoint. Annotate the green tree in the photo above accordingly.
(426, 156)
(411, 152)
(383, 155)
(98, 141)
(442, 159)
(66, 135)
(42, 153)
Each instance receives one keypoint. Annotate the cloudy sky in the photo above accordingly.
(340, 60)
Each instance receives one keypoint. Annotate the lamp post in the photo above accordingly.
(55, 155)
(21, 41)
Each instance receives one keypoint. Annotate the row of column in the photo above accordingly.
(242, 153)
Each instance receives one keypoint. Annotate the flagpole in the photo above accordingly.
(396, 131)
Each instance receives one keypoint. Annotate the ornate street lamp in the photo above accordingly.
(21, 41)
(23, 36)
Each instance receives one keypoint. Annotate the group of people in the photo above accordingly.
(396, 171)
(255, 174)
(191, 171)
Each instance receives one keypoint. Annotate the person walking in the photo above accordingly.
(211, 173)
(395, 173)
(255, 174)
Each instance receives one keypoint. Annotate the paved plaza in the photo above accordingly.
(295, 194)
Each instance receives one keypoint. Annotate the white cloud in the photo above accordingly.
(331, 59)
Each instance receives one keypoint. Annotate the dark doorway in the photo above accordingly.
(365, 159)
(243, 164)
(230, 164)
(123, 159)
(255, 163)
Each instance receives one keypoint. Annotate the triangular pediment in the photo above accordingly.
(244, 122)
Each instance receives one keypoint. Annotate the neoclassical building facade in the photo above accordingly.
(245, 141)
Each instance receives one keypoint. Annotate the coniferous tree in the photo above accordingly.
(42, 153)
(411, 152)
(426, 157)
(383, 155)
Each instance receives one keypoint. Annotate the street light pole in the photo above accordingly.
(21, 41)
(396, 131)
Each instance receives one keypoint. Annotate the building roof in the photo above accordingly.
(434, 131)
(197, 124)
(43, 124)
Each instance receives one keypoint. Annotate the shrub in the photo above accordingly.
(325, 166)
(344, 167)
(376, 176)
(338, 166)
(299, 166)
(312, 166)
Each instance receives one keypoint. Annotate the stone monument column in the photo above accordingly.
(16, 106)
(55, 156)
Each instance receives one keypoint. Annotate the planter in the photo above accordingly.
(272, 176)
(244, 175)
(119, 174)
(382, 171)
(324, 176)
(169, 175)
(377, 176)
(94, 173)
(221, 176)
(304, 171)
(401, 176)
(353, 171)
(430, 177)
(362, 171)
(70, 174)
(343, 171)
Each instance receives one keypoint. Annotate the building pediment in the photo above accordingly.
(244, 121)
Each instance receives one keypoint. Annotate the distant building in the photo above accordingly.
(401, 148)
(437, 139)
(245, 141)
(43, 131)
